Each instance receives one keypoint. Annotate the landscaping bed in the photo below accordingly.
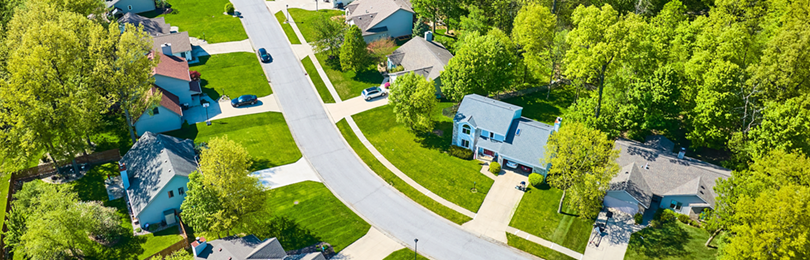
(537, 215)
(288, 30)
(232, 74)
(423, 157)
(204, 19)
(395, 181)
(535, 249)
(265, 135)
(317, 80)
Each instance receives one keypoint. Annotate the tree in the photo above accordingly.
(484, 64)
(429, 9)
(353, 53)
(179, 255)
(200, 204)
(476, 21)
(328, 34)
(380, 49)
(420, 28)
(783, 127)
(583, 161)
(534, 32)
(414, 98)
(653, 101)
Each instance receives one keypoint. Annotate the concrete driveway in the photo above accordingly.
(613, 244)
(287, 174)
(500, 204)
(338, 111)
(223, 109)
(344, 174)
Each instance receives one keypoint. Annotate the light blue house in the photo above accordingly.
(381, 19)
(178, 91)
(155, 175)
(653, 176)
(132, 6)
(496, 131)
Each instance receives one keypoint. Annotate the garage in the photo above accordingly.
(489, 153)
(621, 205)
(517, 166)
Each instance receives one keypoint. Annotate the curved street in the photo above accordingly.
(344, 174)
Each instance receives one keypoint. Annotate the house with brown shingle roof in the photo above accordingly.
(381, 19)
(177, 91)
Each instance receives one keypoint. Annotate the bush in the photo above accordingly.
(535, 179)
(229, 8)
(398, 68)
(638, 218)
(655, 223)
(684, 218)
(495, 168)
(665, 216)
(694, 223)
(195, 75)
(461, 152)
(138, 230)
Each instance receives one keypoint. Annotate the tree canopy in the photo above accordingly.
(414, 98)
(353, 54)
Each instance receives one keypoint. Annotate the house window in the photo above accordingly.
(129, 7)
(465, 143)
(491, 134)
(181, 191)
(465, 129)
(171, 194)
(675, 205)
(155, 111)
(183, 54)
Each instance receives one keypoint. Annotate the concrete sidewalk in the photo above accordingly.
(279, 5)
(498, 207)
(373, 246)
(545, 243)
(353, 106)
(287, 174)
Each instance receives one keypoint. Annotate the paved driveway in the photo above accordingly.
(354, 106)
(319, 140)
(287, 174)
(613, 244)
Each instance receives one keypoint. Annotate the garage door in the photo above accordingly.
(621, 205)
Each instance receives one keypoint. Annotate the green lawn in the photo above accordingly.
(304, 19)
(673, 241)
(288, 30)
(537, 107)
(348, 84)
(232, 74)
(537, 215)
(535, 249)
(395, 181)
(403, 254)
(204, 19)
(112, 134)
(302, 214)
(317, 80)
(423, 157)
(266, 137)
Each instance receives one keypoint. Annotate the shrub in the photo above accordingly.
(665, 216)
(655, 223)
(229, 8)
(398, 68)
(461, 152)
(684, 218)
(535, 179)
(694, 223)
(138, 230)
(638, 218)
(195, 75)
(495, 168)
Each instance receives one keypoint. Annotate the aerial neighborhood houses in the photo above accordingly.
(422, 56)
(381, 19)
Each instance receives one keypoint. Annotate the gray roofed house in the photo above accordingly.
(630, 180)
(248, 247)
(379, 19)
(423, 57)
(157, 166)
(153, 26)
(490, 114)
(179, 41)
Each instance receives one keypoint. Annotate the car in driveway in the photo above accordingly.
(511, 164)
(244, 100)
(373, 92)
(263, 55)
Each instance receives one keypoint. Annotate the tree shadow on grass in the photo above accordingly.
(260, 164)
(369, 76)
(91, 186)
(667, 241)
(185, 132)
(432, 141)
(291, 235)
(112, 134)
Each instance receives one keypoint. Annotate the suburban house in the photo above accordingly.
(422, 56)
(178, 91)
(244, 248)
(153, 26)
(155, 173)
(495, 130)
(653, 177)
(131, 6)
(381, 19)
(178, 43)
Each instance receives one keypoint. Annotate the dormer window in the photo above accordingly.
(466, 129)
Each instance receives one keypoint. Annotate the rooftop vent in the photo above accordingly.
(518, 132)
(646, 166)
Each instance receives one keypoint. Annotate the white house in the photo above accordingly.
(379, 19)
(132, 6)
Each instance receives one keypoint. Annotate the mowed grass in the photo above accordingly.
(204, 19)
(317, 80)
(232, 74)
(304, 20)
(534, 248)
(536, 106)
(673, 241)
(395, 181)
(537, 215)
(265, 135)
(423, 156)
(348, 84)
(404, 254)
(288, 30)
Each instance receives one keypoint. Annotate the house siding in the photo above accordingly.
(165, 120)
(153, 213)
(685, 200)
(177, 87)
(138, 6)
(462, 136)
(400, 23)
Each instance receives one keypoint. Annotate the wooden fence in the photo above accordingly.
(182, 244)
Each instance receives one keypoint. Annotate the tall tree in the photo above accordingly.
(534, 32)
(429, 9)
(353, 54)
(583, 161)
(414, 98)
(484, 64)
(328, 34)
(200, 204)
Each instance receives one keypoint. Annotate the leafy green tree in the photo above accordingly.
(420, 28)
(328, 35)
(414, 98)
(200, 204)
(653, 102)
(179, 255)
(484, 64)
(784, 127)
(476, 21)
(534, 32)
(583, 162)
(428, 9)
(353, 54)
(502, 14)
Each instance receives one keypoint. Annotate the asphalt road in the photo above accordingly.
(344, 174)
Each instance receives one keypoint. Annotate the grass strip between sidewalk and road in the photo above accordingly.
(288, 30)
(395, 181)
(404, 254)
(535, 249)
(317, 80)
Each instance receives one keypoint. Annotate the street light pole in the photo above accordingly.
(415, 241)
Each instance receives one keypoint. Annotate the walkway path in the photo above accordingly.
(287, 174)
(498, 207)
(545, 243)
(614, 244)
(224, 47)
(373, 246)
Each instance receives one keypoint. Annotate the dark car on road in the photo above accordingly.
(263, 55)
(244, 100)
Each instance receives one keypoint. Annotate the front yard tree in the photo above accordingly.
(353, 53)
(583, 161)
(328, 35)
(483, 65)
(414, 98)
(200, 204)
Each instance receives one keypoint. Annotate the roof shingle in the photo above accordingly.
(173, 67)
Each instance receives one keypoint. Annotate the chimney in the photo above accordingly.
(557, 124)
(429, 36)
(199, 245)
(682, 153)
(166, 48)
(122, 168)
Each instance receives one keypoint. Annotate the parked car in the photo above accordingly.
(373, 92)
(525, 168)
(263, 55)
(244, 100)
(511, 164)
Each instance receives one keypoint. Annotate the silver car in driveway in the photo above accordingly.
(373, 92)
